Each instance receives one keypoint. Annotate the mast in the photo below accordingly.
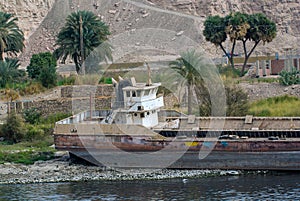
(149, 82)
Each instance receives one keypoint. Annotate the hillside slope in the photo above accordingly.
(164, 27)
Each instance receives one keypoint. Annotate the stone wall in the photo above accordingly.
(63, 105)
(86, 91)
(73, 99)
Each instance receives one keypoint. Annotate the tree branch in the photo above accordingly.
(223, 50)
(247, 55)
(245, 48)
(256, 43)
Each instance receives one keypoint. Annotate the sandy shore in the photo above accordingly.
(63, 171)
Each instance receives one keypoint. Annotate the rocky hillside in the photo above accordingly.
(30, 13)
(150, 27)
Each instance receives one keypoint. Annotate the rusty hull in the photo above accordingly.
(251, 145)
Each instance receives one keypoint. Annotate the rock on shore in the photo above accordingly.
(64, 171)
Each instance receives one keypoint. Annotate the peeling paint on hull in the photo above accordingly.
(251, 154)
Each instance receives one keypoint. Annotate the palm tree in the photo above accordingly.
(189, 67)
(11, 36)
(9, 71)
(82, 33)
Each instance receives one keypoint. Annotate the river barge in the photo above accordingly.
(136, 133)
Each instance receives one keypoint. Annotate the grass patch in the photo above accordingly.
(62, 81)
(229, 72)
(89, 79)
(282, 106)
(259, 80)
(267, 80)
(35, 144)
(27, 152)
(30, 88)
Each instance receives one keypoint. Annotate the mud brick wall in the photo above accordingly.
(74, 99)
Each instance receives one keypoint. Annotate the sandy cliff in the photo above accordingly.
(172, 22)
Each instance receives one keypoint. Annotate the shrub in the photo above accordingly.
(34, 133)
(105, 80)
(48, 76)
(289, 78)
(42, 68)
(237, 101)
(32, 115)
(13, 130)
(11, 95)
(32, 88)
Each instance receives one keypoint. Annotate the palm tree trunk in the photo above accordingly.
(1, 55)
(190, 95)
(82, 55)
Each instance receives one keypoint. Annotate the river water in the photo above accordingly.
(245, 187)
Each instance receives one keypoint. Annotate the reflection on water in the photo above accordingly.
(251, 187)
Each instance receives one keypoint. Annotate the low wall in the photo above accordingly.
(86, 91)
(73, 99)
(62, 105)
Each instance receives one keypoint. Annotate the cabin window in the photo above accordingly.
(139, 93)
(148, 113)
(128, 93)
(135, 114)
(147, 92)
(133, 93)
(142, 115)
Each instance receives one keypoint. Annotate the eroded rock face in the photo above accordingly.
(42, 19)
(29, 12)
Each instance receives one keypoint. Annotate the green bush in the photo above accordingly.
(34, 133)
(42, 68)
(105, 80)
(237, 101)
(14, 129)
(32, 116)
(32, 88)
(289, 78)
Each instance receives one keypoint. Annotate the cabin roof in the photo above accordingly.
(141, 86)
